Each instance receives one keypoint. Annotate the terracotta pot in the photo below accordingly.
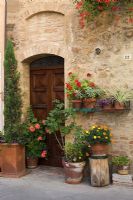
(109, 108)
(73, 172)
(119, 106)
(89, 103)
(0, 157)
(99, 149)
(123, 170)
(76, 103)
(13, 160)
(32, 163)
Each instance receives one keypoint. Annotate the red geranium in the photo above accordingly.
(91, 84)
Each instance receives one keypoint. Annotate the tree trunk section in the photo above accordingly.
(99, 172)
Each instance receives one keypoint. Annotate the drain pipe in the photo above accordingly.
(3, 12)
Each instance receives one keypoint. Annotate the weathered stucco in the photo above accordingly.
(52, 27)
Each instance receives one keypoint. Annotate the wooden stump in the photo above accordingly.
(99, 167)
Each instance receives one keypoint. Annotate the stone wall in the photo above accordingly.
(52, 27)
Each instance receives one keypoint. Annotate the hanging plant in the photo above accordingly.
(90, 9)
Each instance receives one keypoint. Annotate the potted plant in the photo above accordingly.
(98, 137)
(106, 104)
(90, 93)
(122, 164)
(34, 137)
(74, 90)
(12, 150)
(121, 97)
(73, 155)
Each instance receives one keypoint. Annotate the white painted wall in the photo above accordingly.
(2, 40)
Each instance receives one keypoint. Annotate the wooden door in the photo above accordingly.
(47, 84)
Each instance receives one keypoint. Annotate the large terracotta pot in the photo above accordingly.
(99, 149)
(73, 172)
(89, 103)
(76, 103)
(12, 160)
(32, 163)
(0, 157)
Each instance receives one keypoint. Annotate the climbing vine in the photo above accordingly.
(90, 9)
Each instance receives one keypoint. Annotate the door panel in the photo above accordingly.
(47, 84)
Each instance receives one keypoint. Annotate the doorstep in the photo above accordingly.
(126, 180)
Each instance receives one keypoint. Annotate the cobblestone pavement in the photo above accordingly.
(46, 183)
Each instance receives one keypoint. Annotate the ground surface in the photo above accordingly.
(46, 183)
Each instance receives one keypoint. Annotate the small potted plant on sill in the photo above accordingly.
(98, 137)
(121, 97)
(106, 104)
(122, 164)
(74, 90)
(34, 137)
(90, 93)
(57, 122)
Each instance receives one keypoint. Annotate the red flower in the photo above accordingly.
(43, 154)
(69, 87)
(37, 126)
(32, 129)
(100, 8)
(39, 138)
(79, 5)
(76, 81)
(78, 84)
(91, 84)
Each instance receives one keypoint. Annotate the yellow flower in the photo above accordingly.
(99, 128)
(106, 137)
(95, 137)
(111, 135)
(99, 136)
(87, 131)
(93, 127)
(104, 133)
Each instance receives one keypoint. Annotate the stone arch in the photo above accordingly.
(58, 7)
(30, 53)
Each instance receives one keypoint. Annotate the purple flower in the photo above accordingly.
(104, 102)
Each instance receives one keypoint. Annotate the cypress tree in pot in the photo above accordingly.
(13, 153)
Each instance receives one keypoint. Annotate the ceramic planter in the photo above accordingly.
(32, 163)
(73, 172)
(76, 103)
(89, 103)
(12, 160)
(123, 170)
(99, 149)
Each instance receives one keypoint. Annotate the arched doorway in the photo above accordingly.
(46, 85)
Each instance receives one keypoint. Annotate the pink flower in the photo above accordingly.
(37, 126)
(47, 130)
(43, 154)
(39, 138)
(43, 122)
(32, 129)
